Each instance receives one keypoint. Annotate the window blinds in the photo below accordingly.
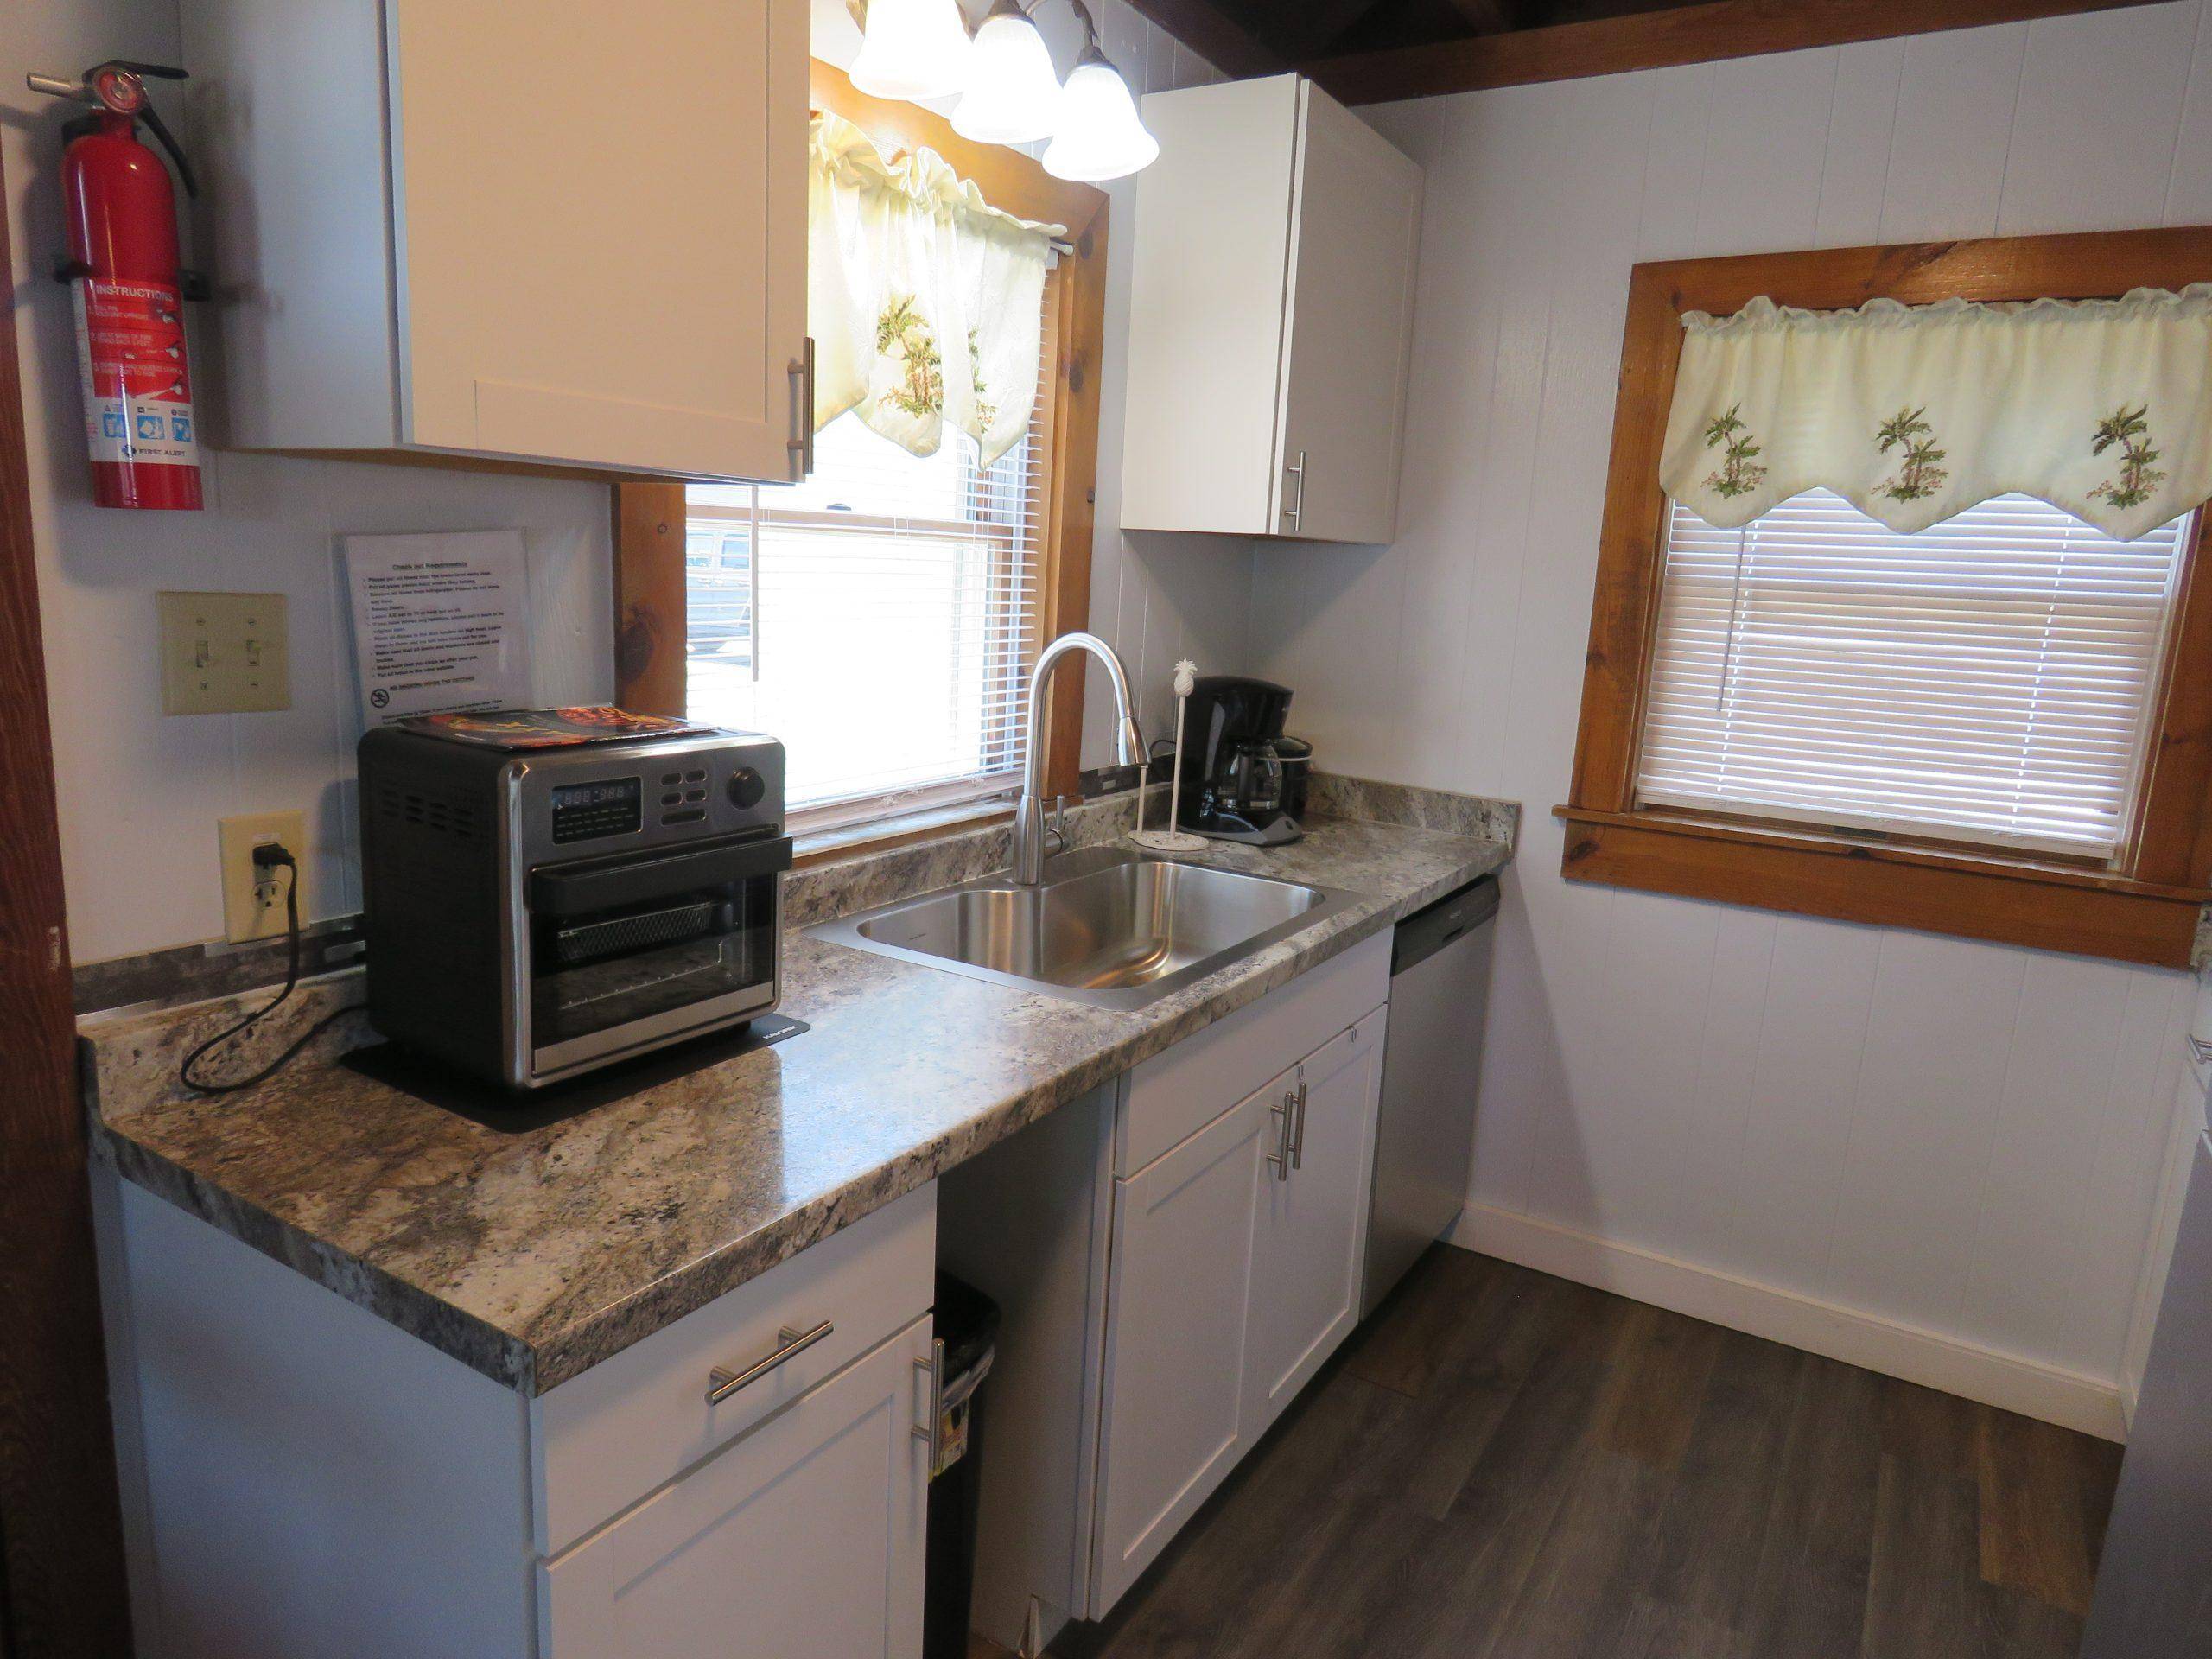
(895, 609)
(1984, 680)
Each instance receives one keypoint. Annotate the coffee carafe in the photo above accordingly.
(1232, 778)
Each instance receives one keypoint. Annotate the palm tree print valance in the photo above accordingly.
(1914, 413)
(924, 299)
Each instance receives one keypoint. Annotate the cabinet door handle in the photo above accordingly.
(1279, 1159)
(801, 443)
(1296, 511)
(721, 1382)
(932, 1368)
(1298, 1135)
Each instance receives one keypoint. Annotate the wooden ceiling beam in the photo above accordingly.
(1215, 36)
(1483, 16)
(1651, 40)
(1317, 25)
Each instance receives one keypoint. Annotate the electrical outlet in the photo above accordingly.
(253, 898)
(225, 653)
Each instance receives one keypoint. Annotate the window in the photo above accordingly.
(1987, 680)
(1999, 725)
(880, 619)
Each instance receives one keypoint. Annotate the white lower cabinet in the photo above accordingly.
(304, 1478)
(1236, 1255)
(1175, 1330)
(1310, 1228)
(803, 1540)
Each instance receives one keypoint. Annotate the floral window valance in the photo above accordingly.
(2102, 408)
(924, 302)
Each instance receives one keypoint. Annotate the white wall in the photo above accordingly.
(1957, 1137)
(140, 793)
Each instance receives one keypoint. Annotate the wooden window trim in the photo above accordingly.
(2145, 908)
(649, 515)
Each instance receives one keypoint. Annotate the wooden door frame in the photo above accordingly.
(649, 515)
(62, 1587)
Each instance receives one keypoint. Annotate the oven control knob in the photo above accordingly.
(745, 788)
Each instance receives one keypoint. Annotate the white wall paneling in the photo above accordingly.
(1954, 1146)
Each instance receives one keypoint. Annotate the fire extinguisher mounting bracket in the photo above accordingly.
(190, 284)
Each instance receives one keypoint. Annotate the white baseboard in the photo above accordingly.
(2069, 1399)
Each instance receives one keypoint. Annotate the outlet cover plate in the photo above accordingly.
(225, 653)
(253, 909)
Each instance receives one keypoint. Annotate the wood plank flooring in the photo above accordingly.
(1505, 1466)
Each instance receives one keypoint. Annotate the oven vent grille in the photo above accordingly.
(596, 940)
(431, 812)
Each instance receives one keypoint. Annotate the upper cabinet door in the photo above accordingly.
(1270, 317)
(600, 229)
(1356, 236)
(1206, 325)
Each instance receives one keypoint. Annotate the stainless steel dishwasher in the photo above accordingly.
(1425, 1135)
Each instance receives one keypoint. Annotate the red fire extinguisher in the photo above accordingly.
(127, 291)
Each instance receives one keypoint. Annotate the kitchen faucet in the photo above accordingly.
(1029, 815)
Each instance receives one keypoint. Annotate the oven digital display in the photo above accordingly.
(614, 806)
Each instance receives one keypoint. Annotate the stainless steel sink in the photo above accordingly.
(1107, 925)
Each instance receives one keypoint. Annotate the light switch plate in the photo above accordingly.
(253, 900)
(225, 653)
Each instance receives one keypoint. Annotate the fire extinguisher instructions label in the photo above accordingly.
(130, 362)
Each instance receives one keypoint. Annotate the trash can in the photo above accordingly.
(968, 1329)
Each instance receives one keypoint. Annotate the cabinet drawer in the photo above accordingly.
(627, 1425)
(1173, 1095)
(807, 1539)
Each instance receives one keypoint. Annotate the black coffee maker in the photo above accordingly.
(1232, 775)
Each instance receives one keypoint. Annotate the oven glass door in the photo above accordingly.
(624, 952)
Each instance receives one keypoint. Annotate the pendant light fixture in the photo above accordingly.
(1100, 136)
(919, 50)
(1013, 95)
(914, 49)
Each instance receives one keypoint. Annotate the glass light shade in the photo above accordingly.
(1013, 95)
(1099, 137)
(913, 49)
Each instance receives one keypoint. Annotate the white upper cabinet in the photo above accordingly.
(566, 232)
(1271, 318)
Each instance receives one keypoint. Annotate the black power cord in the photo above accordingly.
(268, 857)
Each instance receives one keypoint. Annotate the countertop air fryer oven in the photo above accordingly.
(533, 913)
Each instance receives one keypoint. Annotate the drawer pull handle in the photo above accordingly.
(1279, 1159)
(720, 1383)
(932, 1373)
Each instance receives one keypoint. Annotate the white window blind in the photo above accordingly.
(880, 619)
(1984, 680)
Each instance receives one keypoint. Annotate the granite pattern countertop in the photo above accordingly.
(532, 1256)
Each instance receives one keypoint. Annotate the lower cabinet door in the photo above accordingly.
(1310, 1237)
(1171, 1425)
(801, 1540)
